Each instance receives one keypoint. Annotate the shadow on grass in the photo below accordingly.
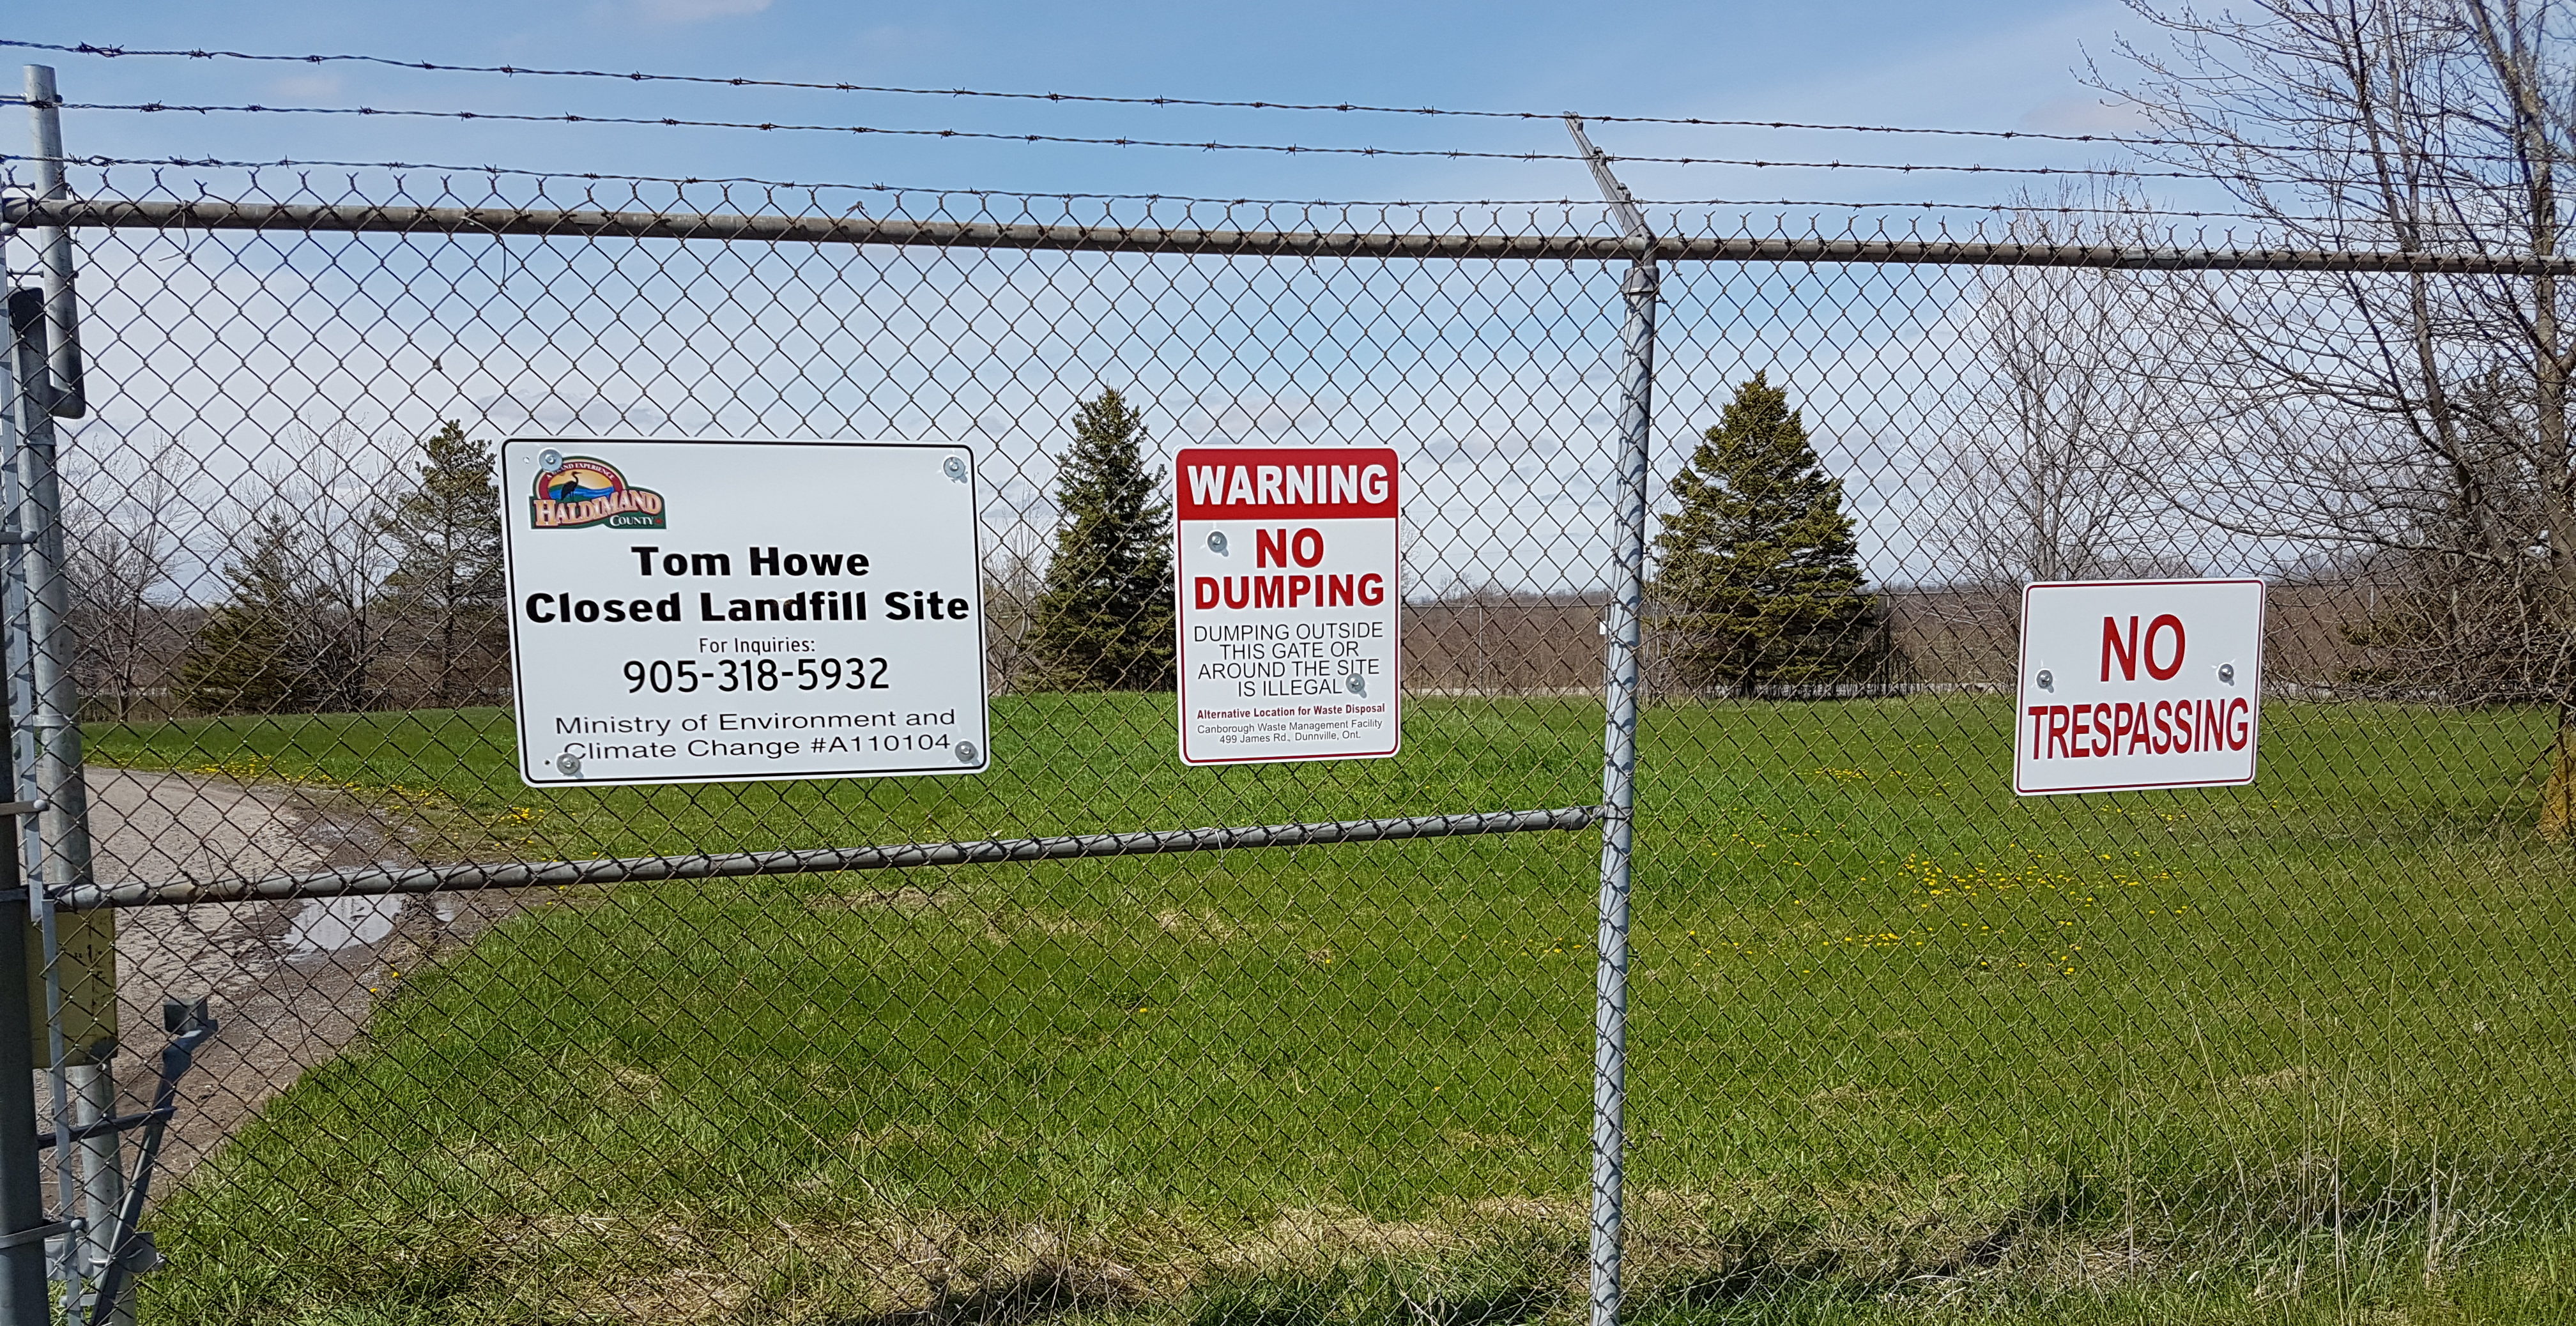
(1809, 1260)
(1501, 1288)
(1055, 1287)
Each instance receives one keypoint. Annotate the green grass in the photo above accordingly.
(1904, 1047)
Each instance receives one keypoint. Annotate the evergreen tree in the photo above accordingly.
(275, 647)
(445, 586)
(1758, 578)
(1103, 620)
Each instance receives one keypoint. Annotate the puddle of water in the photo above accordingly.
(326, 925)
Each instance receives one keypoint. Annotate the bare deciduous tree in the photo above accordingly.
(339, 509)
(2424, 418)
(303, 628)
(1014, 576)
(2045, 468)
(121, 516)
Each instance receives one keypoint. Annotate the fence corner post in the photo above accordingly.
(46, 353)
(66, 396)
(24, 1297)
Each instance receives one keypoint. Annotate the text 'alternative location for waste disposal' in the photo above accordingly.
(1288, 603)
(702, 611)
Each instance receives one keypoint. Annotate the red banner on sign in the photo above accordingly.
(1285, 483)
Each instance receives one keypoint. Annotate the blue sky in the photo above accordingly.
(1507, 401)
(1995, 64)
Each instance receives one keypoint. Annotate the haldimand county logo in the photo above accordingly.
(578, 491)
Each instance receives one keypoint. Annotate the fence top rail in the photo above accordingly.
(218, 214)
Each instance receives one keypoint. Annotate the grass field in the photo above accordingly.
(1905, 1048)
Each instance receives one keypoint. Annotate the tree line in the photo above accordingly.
(345, 592)
(1758, 585)
(342, 589)
(349, 600)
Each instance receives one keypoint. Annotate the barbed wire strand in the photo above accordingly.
(1692, 121)
(1292, 149)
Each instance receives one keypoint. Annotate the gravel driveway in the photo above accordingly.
(290, 981)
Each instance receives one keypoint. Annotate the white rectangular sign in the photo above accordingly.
(685, 611)
(2130, 684)
(1288, 603)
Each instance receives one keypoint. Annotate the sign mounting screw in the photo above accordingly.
(967, 754)
(569, 763)
(954, 468)
(2047, 681)
(550, 459)
(1216, 542)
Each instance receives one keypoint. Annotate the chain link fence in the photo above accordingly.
(1025, 1046)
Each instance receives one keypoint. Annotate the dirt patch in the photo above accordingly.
(291, 981)
(907, 898)
(2296, 1077)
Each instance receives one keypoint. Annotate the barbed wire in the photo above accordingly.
(213, 163)
(1692, 121)
(1292, 149)
(593, 176)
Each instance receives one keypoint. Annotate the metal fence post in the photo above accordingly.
(1624, 629)
(50, 387)
(23, 1228)
(18, 684)
(54, 250)
(61, 855)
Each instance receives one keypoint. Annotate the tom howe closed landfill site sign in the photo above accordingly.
(1288, 600)
(2139, 683)
(687, 612)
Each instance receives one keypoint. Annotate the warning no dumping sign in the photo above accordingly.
(1288, 602)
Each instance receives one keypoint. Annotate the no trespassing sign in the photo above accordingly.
(2133, 684)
